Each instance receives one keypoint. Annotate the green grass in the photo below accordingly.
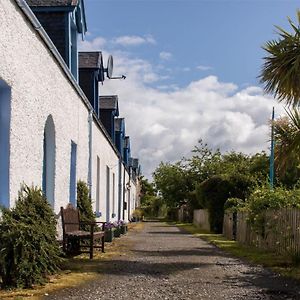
(283, 264)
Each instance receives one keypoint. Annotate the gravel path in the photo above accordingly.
(166, 263)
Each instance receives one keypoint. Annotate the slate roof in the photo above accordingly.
(52, 2)
(108, 102)
(118, 123)
(90, 60)
(134, 163)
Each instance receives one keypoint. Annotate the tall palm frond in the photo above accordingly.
(280, 72)
(287, 140)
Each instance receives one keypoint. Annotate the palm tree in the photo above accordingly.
(281, 70)
(287, 137)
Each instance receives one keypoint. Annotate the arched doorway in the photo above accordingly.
(5, 115)
(49, 160)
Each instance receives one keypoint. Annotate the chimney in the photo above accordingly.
(63, 20)
(90, 73)
(108, 111)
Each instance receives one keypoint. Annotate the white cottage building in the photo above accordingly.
(53, 130)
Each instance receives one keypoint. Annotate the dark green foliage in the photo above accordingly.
(233, 204)
(281, 72)
(84, 204)
(29, 250)
(241, 185)
(173, 182)
(213, 194)
(181, 182)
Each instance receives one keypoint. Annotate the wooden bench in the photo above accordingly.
(73, 234)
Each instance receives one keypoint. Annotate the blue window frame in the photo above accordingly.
(73, 163)
(5, 114)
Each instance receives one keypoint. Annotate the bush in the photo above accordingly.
(29, 249)
(84, 204)
(233, 204)
(137, 214)
(212, 194)
(264, 199)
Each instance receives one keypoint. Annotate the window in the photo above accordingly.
(73, 163)
(5, 112)
(49, 160)
(107, 194)
(113, 196)
(98, 186)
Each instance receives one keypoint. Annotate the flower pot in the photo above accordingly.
(117, 232)
(108, 235)
(123, 229)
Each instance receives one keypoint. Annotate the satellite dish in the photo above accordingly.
(109, 69)
(110, 66)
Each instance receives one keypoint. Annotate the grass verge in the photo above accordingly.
(77, 270)
(283, 264)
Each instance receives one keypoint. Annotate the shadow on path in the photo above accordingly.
(155, 269)
(204, 251)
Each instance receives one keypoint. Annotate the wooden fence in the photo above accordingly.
(200, 219)
(278, 231)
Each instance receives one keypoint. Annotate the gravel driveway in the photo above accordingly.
(165, 263)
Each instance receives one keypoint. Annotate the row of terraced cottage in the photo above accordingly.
(55, 128)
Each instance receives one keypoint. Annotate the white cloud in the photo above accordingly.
(133, 40)
(165, 55)
(96, 44)
(166, 122)
(203, 68)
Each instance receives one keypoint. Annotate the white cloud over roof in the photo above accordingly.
(133, 40)
(165, 123)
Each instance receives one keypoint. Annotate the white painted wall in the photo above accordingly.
(108, 158)
(40, 88)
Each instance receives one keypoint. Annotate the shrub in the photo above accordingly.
(212, 194)
(84, 204)
(233, 204)
(29, 249)
(264, 199)
(137, 214)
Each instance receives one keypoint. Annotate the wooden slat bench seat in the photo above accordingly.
(72, 232)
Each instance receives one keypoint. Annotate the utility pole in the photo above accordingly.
(272, 152)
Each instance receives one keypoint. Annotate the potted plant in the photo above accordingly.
(108, 231)
(117, 231)
(123, 227)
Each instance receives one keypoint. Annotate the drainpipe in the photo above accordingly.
(90, 121)
(120, 188)
(129, 200)
(124, 193)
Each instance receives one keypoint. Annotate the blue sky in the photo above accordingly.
(191, 69)
(224, 36)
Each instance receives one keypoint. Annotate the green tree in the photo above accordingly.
(173, 183)
(281, 69)
(287, 148)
